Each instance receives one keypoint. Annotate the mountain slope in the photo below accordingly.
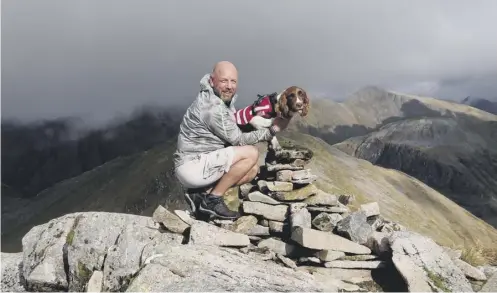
(138, 183)
(372, 107)
(134, 184)
(482, 104)
(457, 156)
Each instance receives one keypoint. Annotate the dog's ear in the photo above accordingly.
(305, 99)
(282, 107)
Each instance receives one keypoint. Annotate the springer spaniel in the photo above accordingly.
(262, 112)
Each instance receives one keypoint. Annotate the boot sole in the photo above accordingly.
(212, 213)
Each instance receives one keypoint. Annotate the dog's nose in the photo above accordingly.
(299, 105)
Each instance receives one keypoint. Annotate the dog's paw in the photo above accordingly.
(274, 144)
(259, 122)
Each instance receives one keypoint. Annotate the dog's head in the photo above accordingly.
(293, 100)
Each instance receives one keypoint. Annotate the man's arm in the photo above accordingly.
(219, 122)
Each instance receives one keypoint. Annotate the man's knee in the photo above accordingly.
(249, 152)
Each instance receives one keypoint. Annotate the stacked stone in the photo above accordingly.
(286, 214)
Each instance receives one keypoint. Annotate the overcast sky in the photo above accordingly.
(96, 58)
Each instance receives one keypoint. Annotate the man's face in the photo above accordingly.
(224, 84)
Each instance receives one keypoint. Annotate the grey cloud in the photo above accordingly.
(101, 58)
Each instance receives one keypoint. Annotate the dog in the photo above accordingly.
(261, 114)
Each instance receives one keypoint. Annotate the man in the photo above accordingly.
(213, 154)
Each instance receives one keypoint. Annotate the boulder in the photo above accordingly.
(320, 240)
(200, 267)
(295, 195)
(355, 227)
(11, 272)
(423, 263)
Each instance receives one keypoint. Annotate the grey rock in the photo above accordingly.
(263, 222)
(453, 253)
(258, 196)
(353, 276)
(43, 260)
(301, 174)
(351, 264)
(337, 210)
(309, 259)
(414, 255)
(279, 167)
(276, 227)
(490, 285)
(184, 216)
(346, 199)
(277, 246)
(329, 255)
(370, 209)
(378, 242)
(245, 189)
(355, 227)
(206, 234)
(244, 224)
(11, 272)
(267, 186)
(202, 268)
(96, 281)
(284, 175)
(286, 261)
(258, 230)
(299, 216)
(322, 198)
(94, 233)
(470, 271)
(270, 212)
(172, 222)
(123, 258)
(308, 180)
(315, 239)
(326, 222)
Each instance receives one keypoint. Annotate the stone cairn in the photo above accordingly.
(286, 218)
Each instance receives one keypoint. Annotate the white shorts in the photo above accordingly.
(205, 169)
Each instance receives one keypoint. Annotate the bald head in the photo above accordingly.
(224, 80)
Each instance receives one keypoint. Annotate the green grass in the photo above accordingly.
(402, 198)
(437, 280)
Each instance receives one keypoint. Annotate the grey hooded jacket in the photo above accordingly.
(209, 124)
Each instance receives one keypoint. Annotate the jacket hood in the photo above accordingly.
(205, 86)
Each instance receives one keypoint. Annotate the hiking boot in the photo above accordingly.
(215, 206)
(193, 199)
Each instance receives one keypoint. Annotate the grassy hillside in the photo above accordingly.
(134, 184)
(138, 183)
(402, 198)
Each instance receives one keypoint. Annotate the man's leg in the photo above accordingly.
(242, 168)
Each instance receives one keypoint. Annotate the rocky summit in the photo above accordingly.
(291, 236)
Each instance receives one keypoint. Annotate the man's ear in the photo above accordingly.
(211, 81)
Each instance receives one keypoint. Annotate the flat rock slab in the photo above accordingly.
(321, 198)
(279, 167)
(470, 271)
(329, 255)
(244, 224)
(370, 209)
(171, 221)
(258, 196)
(266, 186)
(270, 212)
(332, 210)
(351, 264)
(188, 268)
(417, 258)
(202, 233)
(277, 246)
(295, 195)
(315, 239)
